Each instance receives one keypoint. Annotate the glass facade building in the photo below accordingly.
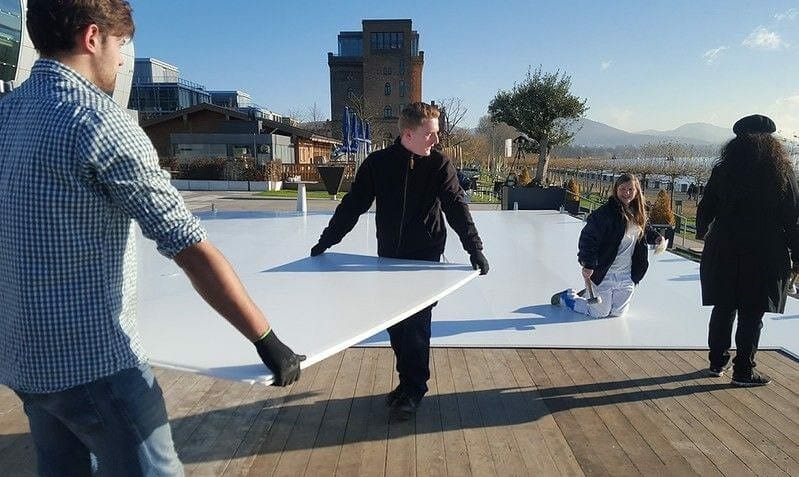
(158, 89)
(10, 38)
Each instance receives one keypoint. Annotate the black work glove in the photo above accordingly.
(318, 249)
(279, 358)
(479, 261)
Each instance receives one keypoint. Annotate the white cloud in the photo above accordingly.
(789, 102)
(605, 65)
(785, 113)
(790, 14)
(713, 54)
(763, 39)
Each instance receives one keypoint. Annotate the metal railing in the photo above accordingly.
(681, 226)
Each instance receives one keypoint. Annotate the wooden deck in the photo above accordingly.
(489, 412)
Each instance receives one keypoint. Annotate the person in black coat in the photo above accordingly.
(412, 185)
(748, 218)
(613, 252)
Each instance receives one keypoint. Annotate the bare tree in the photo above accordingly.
(369, 112)
(315, 114)
(452, 112)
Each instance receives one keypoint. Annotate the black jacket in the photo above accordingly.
(411, 192)
(751, 237)
(600, 239)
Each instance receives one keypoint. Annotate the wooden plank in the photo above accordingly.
(771, 404)
(604, 404)
(638, 436)
(731, 433)
(264, 404)
(541, 442)
(503, 445)
(210, 447)
(677, 445)
(728, 437)
(373, 457)
(294, 459)
(754, 423)
(581, 447)
(748, 442)
(327, 447)
(477, 444)
(455, 450)
(430, 456)
(665, 399)
(355, 428)
(280, 421)
(185, 427)
(561, 397)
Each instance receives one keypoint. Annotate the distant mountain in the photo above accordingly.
(594, 133)
(705, 132)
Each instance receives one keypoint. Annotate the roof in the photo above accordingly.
(273, 127)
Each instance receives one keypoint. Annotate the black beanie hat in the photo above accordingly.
(754, 124)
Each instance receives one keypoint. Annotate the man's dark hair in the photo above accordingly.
(53, 24)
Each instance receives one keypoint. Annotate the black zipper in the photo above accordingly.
(404, 198)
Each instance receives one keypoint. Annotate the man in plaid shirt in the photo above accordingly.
(75, 171)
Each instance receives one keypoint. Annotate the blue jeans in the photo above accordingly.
(114, 426)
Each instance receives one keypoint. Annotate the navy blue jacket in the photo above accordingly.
(600, 239)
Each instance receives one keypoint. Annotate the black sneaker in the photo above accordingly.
(717, 371)
(393, 396)
(404, 407)
(752, 380)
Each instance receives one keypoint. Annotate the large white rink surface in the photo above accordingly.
(344, 296)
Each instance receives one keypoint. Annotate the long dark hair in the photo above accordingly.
(757, 162)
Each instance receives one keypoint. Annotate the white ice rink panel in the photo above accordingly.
(318, 306)
(533, 254)
(346, 294)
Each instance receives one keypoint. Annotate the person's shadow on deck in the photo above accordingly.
(281, 424)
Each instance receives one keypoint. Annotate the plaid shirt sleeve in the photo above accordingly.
(123, 162)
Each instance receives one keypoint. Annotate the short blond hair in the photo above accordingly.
(413, 114)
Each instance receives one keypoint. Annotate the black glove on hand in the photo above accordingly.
(318, 249)
(479, 261)
(279, 358)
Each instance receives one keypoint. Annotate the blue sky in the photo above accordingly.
(641, 65)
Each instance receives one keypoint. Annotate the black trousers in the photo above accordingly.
(410, 340)
(747, 337)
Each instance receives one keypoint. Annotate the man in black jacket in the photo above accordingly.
(412, 184)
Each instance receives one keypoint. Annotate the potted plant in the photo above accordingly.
(662, 217)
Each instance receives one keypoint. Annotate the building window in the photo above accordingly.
(384, 40)
(387, 113)
(402, 88)
(387, 89)
(402, 66)
(387, 70)
(350, 93)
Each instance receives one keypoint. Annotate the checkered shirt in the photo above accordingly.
(75, 172)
